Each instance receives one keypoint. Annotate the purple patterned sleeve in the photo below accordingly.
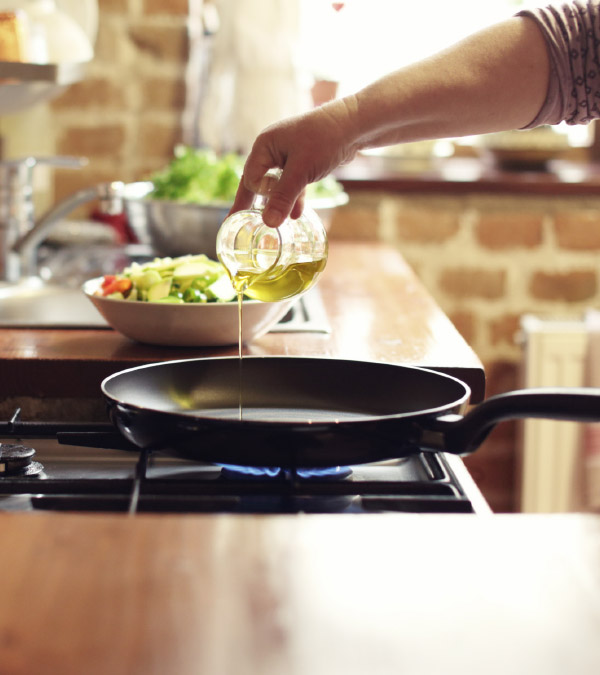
(572, 34)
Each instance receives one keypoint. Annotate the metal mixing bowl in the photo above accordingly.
(178, 228)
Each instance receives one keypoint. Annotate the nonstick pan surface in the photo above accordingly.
(314, 412)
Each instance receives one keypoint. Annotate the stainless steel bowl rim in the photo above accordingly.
(138, 192)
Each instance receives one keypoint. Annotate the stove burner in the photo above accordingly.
(336, 472)
(82, 466)
(17, 460)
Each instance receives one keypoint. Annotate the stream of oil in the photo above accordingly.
(276, 284)
(240, 297)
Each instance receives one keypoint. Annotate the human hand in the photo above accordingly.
(307, 148)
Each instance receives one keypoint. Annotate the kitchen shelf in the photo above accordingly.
(61, 74)
(23, 85)
(469, 176)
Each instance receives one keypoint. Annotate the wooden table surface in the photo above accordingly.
(301, 595)
(376, 307)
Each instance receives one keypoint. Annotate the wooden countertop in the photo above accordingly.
(376, 307)
(308, 595)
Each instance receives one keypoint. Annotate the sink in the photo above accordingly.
(54, 299)
(33, 304)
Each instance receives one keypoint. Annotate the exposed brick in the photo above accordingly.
(167, 43)
(358, 220)
(503, 329)
(111, 46)
(113, 6)
(495, 476)
(97, 141)
(572, 286)
(357, 223)
(509, 230)
(578, 230)
(336, 220)
(493, 465)
(92, 93)
(161, 93)
(168, 7)
(463, 282)
(426, 225)
(465, 323)
(157, 139)
(145, 167)
(502, 376)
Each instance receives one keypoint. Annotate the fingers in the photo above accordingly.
(278, 208)
(286, 198)
(298, 207)
(306, 147)
(257, 164)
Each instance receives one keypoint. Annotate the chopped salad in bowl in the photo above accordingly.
(184, 279)
(185, 301)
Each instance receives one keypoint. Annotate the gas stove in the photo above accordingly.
(90, 467)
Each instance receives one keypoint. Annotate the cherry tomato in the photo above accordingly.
(112, 284)
(108, 279)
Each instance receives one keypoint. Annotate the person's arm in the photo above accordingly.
(494, 80)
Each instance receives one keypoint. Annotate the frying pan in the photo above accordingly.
(299, 412)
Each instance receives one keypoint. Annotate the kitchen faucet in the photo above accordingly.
(20, 233)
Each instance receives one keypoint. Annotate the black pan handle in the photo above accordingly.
(463, 435)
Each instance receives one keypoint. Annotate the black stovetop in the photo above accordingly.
(91, 467)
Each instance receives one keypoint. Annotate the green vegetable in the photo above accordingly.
(221, 290)
(323, 189)
(185, 279)
(146, 279)
(203, 177)
(194, 295)
(159, 290)
(199, 176)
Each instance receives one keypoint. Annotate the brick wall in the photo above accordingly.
(488, 260)
(125, 117)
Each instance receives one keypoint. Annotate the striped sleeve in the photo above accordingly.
(572, 34)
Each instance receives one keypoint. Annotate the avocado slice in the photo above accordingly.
(190, 270)
(221, 290)
(159, 290)
(146, 279)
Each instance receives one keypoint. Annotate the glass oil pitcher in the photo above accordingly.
(272, 263)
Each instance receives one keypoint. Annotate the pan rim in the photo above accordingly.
(459, 402)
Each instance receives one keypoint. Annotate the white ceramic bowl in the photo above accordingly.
(187, 325)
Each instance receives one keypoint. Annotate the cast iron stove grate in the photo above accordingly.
(92, 467)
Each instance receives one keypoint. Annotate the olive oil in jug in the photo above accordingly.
(272, 264)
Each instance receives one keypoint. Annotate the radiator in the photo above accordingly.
(554, 354)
